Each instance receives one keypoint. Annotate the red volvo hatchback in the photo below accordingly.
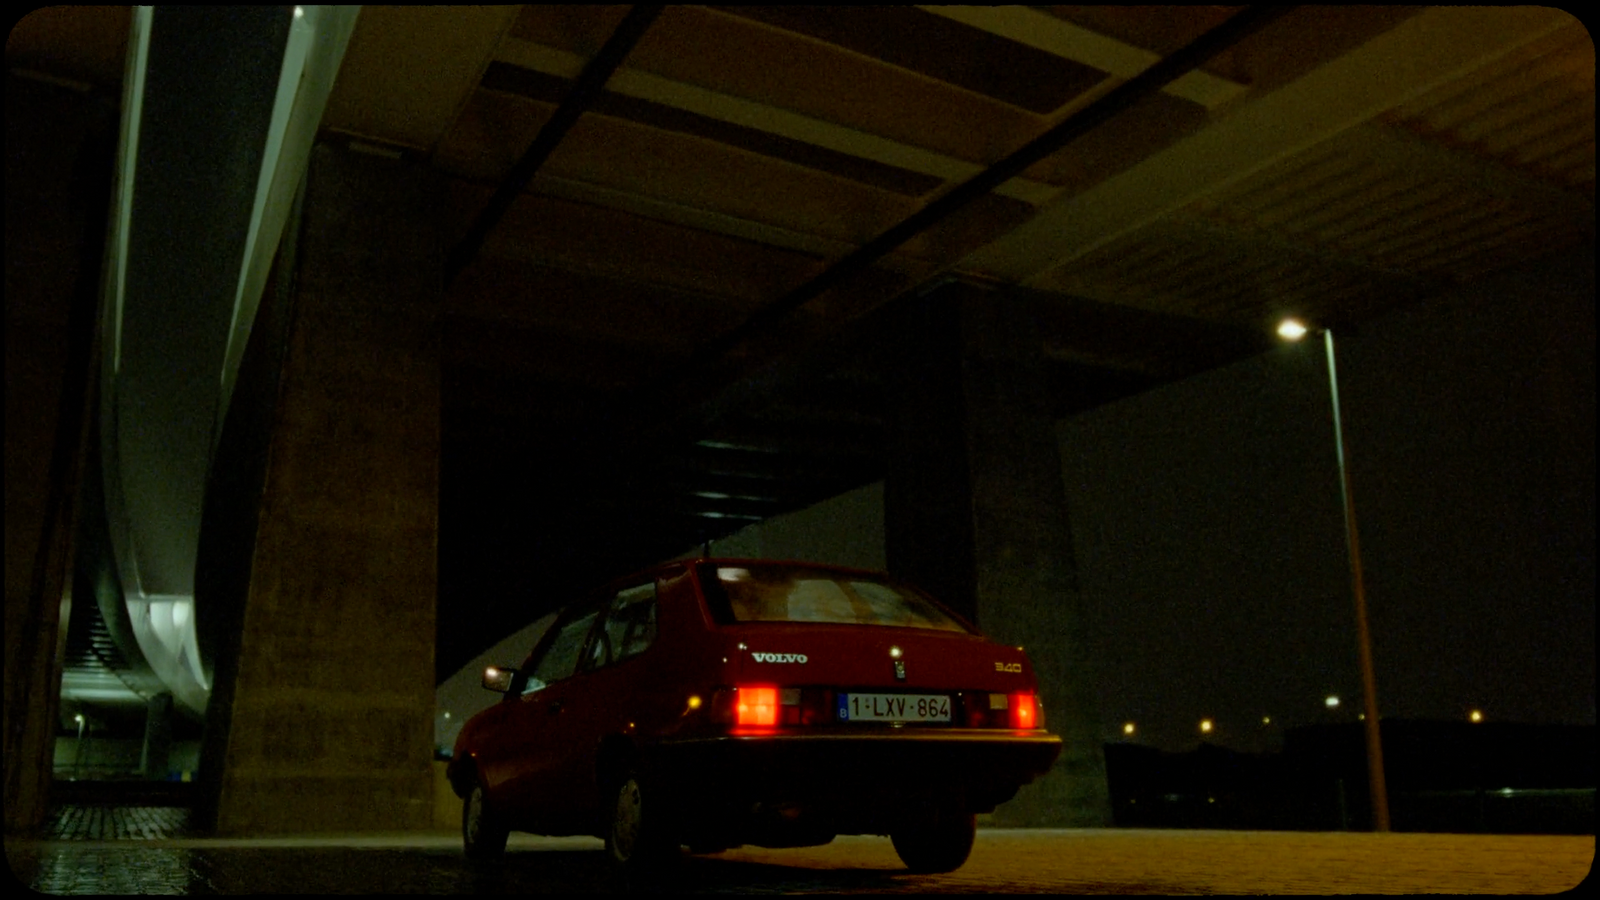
(719, 702)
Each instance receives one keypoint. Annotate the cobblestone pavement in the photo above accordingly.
(110, 823)
(1111, 861)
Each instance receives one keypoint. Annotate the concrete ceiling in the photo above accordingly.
(1336, 163)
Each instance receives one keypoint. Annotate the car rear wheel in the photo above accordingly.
(938, 843)
(482, 835)
(635, 838)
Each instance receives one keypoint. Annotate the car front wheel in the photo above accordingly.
(482, 835)
(635, 839)
(938, 843)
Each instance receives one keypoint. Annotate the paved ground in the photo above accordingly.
(110, 823)
(1112, 861)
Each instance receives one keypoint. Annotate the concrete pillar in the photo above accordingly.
(975, 512)
(322, 718)
(59, 145)
(157, 737)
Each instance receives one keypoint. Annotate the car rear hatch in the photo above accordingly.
(863, 721)
(816, 645)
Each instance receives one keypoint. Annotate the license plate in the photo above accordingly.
(894, 708)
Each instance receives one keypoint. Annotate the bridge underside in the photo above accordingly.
(578, 289)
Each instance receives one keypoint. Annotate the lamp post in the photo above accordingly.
(1294, 330)
(77, 755)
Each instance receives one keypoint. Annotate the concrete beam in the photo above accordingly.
(1414, 57)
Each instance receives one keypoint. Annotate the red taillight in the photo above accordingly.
(1024, 710)
(756, 705)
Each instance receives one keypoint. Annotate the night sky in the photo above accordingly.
(1208, 527)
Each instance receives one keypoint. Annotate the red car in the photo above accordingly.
(719, 702)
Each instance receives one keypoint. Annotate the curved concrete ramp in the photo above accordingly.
(219, 111)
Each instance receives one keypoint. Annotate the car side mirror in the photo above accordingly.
(498, 678)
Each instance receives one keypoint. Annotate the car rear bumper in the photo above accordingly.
(859, 780)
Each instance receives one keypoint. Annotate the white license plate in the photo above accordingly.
(893, 707)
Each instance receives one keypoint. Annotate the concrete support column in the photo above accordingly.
(59, 146)
(322, 718)
(157, 737)
(975, 512)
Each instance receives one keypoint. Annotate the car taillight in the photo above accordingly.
(1019, 709)
(768, 705)
(755, 705)
(1024, 710)
(977, 710)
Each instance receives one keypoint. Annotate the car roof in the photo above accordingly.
(751, 561)
(829, 567)
(690, 562)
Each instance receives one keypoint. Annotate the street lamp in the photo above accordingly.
(77, 755)
(1294, 330)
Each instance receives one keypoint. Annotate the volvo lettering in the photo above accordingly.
(779, 657)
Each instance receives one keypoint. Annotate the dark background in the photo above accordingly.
(1208, 528)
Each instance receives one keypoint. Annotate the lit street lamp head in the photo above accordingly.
(1292, 329)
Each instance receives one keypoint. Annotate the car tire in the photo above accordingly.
(482, 834)
(636, 841)
(939, 843)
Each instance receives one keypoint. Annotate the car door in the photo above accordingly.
(600, 700)
(539, 727)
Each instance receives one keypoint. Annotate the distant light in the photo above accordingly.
(1475, 715)
(1127, 728)
(447, 714)
(299, 13)
(694, 701)
(1332, 702)
(1205, 726)
(1266, 720)
(78, 718)
(725, 445)
(894, 652)
(1506, 792)
(1292, 329)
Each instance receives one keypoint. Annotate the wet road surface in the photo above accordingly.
(1108, 861)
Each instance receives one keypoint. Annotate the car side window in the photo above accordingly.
(629, 627)
(560, 658)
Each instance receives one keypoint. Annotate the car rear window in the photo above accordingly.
(795, 594)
